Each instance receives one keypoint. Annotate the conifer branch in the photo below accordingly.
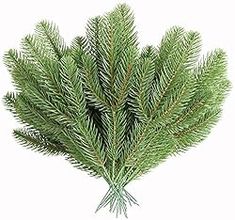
(109, 108)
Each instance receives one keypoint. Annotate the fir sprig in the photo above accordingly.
(110, 108)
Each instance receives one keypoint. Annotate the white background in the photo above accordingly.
(199, 184)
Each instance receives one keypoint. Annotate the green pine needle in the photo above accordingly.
(111, 109)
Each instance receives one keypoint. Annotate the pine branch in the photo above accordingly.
(37, 142)
(21, 70)
(87, 134)
(94, 90)
(140, 90)
(9, 101)
(182, 59)
(111, 109)
(49, 35)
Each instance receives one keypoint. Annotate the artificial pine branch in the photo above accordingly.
(110, 108)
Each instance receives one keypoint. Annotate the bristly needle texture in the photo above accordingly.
(107, 106)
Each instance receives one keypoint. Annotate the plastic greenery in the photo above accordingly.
(109, 108)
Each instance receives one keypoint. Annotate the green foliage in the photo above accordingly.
(109, 108)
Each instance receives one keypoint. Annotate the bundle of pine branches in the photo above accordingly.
(110, 108)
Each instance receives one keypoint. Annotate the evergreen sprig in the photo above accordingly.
(110, 108)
